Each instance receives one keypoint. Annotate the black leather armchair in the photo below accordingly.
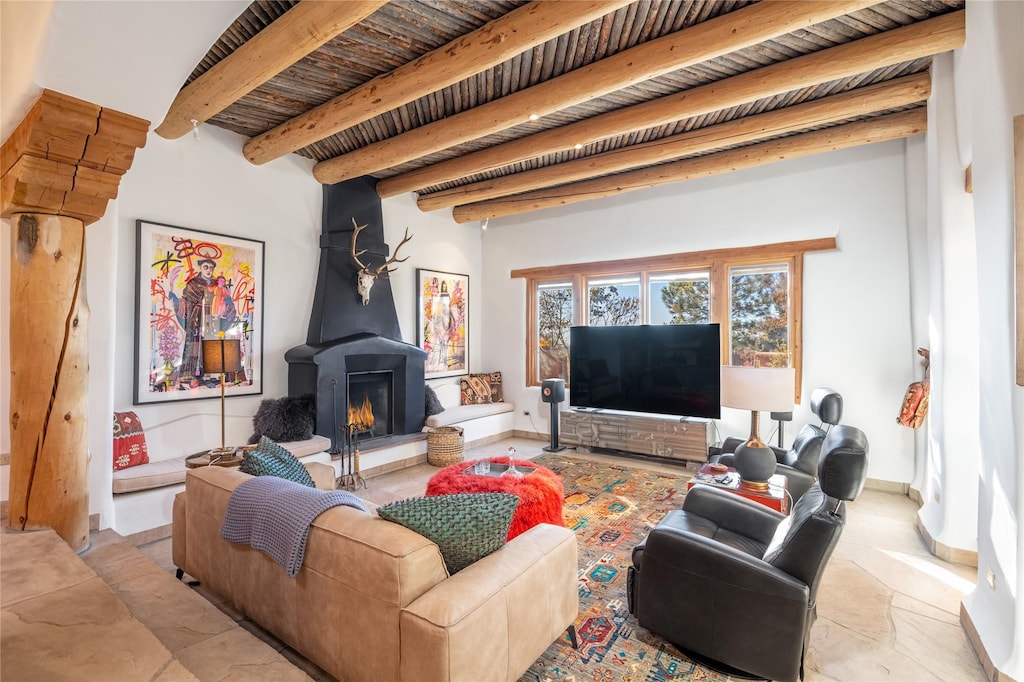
(799, 464)
(734, 583)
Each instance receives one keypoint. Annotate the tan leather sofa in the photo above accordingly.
(373, 600)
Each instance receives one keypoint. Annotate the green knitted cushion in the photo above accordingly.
(466, 527)
(270, 459)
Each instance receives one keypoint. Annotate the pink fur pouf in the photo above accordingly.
(540, 493)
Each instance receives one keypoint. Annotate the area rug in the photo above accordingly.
(611, 507)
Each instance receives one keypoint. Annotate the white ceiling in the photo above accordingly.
(128, 56)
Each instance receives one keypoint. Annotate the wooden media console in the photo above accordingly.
(670, 437)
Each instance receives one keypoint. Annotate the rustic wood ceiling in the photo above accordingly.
(436, 96)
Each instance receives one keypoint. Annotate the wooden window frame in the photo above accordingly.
(716, 261)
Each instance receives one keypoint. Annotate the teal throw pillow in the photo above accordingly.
(270, 459)
(466, 527)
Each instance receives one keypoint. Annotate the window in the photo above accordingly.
(613, 302)
(680, 298)
(753, 292)
(554, 317)
(759, 315)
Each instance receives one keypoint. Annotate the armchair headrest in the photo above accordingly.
(827, 404)
(843, 464)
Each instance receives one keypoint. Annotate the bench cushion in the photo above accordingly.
(171, 471)
(461, 413)
(154, 474)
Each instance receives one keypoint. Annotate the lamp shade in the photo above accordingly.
(221, 356)
(763, 389)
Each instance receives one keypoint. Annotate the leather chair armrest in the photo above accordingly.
(797, 482)
(689, 553)
(730, 444)
(733, 513)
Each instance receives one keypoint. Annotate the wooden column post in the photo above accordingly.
(59, 168)
(49, 378)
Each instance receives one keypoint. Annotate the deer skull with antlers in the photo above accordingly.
(366, 277)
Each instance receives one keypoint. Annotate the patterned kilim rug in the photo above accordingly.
(611, 507)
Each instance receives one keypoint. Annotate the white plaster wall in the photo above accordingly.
(856, 298)
(992, 91)
(206, 184)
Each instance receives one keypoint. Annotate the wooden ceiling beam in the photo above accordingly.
(495, 42)
(903, 44)
(706, 40)
(67, 157)
(299, 31)
(878, 129)
(872, 99)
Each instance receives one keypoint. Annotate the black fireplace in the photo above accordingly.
(370, 404)
(354, 359)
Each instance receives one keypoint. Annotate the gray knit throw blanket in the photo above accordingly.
(273, 515)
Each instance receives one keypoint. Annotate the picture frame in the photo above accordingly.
(191, 285)
(442, 322)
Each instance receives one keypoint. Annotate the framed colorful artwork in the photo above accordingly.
(442, 322)
(192, 286)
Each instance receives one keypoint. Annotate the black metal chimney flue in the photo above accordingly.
(338, 310)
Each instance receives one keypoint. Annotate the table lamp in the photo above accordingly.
(221, 356)
(757, 389)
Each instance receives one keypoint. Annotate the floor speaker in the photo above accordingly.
(552, 391)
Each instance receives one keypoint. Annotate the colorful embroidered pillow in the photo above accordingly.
(466, 527)
(270, 459)
(480, 389)
(129, 441)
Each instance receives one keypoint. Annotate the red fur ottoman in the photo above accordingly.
(540, 493)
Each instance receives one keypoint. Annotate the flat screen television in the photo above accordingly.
(672, 369)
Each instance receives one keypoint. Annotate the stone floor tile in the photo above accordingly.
(175, 672)
(81, 632)
(924, 578)
(854, 599)
(940, 647)
(178, 617)
(237, 655)
(33, 563)
(902, 601)
(119, 561)
(842, 654)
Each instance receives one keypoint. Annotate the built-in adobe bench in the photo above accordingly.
(144, 493)
(483, 422)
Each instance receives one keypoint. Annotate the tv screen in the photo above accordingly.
(670, 369)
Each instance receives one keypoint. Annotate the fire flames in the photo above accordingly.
(361, 416)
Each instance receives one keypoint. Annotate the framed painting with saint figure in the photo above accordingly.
(443, 322)
(193, 286)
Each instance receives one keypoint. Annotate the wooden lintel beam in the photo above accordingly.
(706, 40)
(67, 158)
(295, 34)
(761, 252)
(878, 129)
(911, 42)
(860, 102)
(495, 42)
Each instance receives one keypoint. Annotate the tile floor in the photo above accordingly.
(887, 609)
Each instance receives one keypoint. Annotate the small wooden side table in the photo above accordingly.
(205, 459)
(775, 497)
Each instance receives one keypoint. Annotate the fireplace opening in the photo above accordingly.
(370, 404)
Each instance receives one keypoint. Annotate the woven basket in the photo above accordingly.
(444, 445)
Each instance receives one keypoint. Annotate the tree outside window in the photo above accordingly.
(614, 302)
(554, 317)
(680, 298)
(759, 315)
